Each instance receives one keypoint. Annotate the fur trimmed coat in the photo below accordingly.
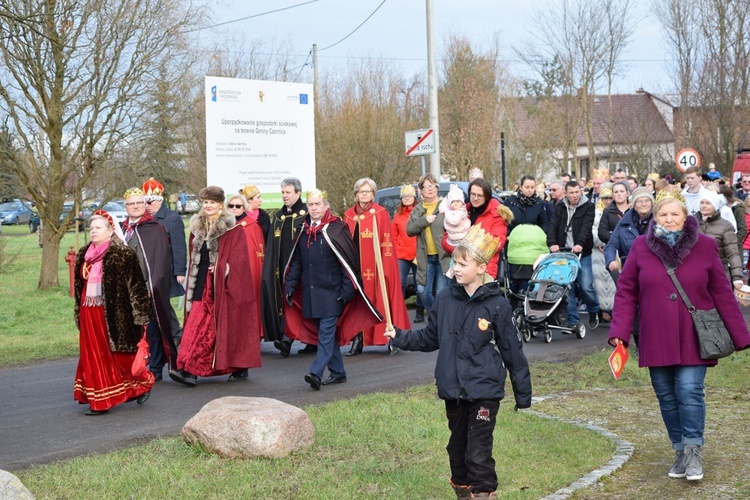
(235, 308)
(667, 334)
(127, 307)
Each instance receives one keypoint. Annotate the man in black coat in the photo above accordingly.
(285, 226)
(150, 242)
(318, 267)
(571, 227)
(175, 228)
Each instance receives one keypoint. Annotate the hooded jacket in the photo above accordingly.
(721, 231)
(478, 344)
(581, 222)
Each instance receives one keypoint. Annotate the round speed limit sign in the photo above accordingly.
(687, 158)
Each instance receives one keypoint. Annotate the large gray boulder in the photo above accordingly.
(238, 427)
(11, 488)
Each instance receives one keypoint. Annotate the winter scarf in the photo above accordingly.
(672, 246)
(93, 264)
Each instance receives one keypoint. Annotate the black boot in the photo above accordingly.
(419, 318)
(356, 347)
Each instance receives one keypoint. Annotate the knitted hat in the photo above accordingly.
(712, 197)
(153, 190)
(408, 190)
(455, 193)
(641, 192)
(213, 193)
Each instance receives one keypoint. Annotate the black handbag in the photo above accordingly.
(713, 338)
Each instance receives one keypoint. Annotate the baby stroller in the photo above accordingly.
(544, 305)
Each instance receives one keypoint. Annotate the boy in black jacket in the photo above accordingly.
(470, 323)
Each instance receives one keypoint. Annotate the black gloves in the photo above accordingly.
(289, 299)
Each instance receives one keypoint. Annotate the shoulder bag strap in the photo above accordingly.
(685, 299)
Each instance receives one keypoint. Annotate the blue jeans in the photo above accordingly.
(436, 278)
(679, 390)
(329, 353)
(584, 286)
(404, 268)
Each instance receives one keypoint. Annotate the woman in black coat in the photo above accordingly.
(526, 205)
(614, 211)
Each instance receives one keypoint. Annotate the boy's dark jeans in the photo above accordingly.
(470, 445)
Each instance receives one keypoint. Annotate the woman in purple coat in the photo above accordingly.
(668, 343)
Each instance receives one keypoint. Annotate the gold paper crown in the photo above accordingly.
(664, 194)
(606, 192)
(408, 190)
(317, 193)
(481, 244)
(134, 191)
(249, 191)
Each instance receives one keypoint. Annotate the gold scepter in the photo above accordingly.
(381, 276)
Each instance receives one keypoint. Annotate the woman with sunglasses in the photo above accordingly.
(239, 207)
(220, 336)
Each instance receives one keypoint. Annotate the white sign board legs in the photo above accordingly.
(259, 132)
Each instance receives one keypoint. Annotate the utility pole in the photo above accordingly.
(432, 92)
(315, 73)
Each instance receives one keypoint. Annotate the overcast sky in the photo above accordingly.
(397, 32)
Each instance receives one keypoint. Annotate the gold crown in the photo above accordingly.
(664, 194)
(481, 244)
(605, 192)
(249, 191)
(317, 193)
(134, 191)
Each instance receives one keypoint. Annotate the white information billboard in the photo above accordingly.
(259, 132)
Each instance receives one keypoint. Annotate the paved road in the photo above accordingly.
(40, 422)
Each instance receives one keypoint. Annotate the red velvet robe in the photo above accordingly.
(256, 250)
(365, 223)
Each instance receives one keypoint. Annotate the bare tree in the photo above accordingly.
(710, 42)
(469, 96)
(360, 120)
(587, 38)
(74, 81)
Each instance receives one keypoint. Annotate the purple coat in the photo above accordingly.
(667, 335)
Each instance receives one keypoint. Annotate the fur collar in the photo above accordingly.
(674, 255)
(201, 234)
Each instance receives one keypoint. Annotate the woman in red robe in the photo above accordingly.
(239, 207)
(370, 226)
(109, 329)
(220, 335)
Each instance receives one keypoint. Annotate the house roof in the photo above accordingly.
(632, 118)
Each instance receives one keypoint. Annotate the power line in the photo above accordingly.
(355, 29)
(250, 17)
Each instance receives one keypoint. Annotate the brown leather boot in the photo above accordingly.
(484, 494)
(462, 491)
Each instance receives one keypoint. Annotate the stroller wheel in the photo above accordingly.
(526, 334)
(547, 336)
(580, 330)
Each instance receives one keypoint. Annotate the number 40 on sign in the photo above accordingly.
(687, 158)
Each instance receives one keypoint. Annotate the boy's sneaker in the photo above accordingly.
(678, 469)
(593, 320)
(693, 465)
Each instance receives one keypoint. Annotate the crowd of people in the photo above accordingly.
(305, 274)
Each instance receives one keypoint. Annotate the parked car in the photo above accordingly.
(187, 204)
(116, 210)
(15, 212)
(80, 217)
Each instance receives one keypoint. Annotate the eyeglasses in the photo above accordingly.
(149, 202)
(643, 201)
(475, 195)
(131, 203)
(429, 186)
(232, 205)
(365, 191)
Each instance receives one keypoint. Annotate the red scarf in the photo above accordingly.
(359, 210)
(130, 225)
(313, 230)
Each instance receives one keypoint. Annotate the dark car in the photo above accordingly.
(80, 217)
